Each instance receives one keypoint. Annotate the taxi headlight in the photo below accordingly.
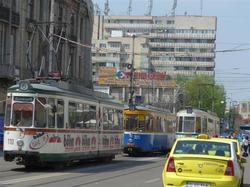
(20, 143)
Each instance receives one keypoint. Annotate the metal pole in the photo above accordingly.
(132, 72)
(51, 32)
(10, 37)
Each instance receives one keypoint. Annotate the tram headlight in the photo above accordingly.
(20, 143)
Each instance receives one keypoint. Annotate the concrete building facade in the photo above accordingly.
(30, 45)
(178, 45)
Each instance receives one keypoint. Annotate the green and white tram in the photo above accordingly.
(192, 122)
(47, 123)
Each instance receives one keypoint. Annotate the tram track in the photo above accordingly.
(89, 175)
(123, 172)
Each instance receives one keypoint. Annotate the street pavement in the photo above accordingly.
(122, 172)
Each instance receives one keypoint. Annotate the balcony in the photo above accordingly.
(191, 73)
(127, 25)
(182, 63)
(182, 45)
(182, 35)
(7, 71)
(5, 13)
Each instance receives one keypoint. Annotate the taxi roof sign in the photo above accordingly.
(202, 136)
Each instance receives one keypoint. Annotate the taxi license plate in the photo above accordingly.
(196, 184)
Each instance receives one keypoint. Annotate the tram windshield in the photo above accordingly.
(137, 122)
(131, 122)
(189, 124)
(22, 114)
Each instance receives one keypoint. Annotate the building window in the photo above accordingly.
(126, 46)
(102, 45)
(114, 44)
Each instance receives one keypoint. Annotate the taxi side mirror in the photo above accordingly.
(243, 160)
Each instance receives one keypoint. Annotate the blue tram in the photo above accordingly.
(148, 129)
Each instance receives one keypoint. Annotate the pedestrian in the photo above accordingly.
(245, 144)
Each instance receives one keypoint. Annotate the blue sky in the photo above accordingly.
(233, 32)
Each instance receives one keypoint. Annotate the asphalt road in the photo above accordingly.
(121, 172)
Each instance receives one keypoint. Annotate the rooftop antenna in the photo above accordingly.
(106, 8)
(201, 6)
(130, 7)
(149, 8)
(173, 8)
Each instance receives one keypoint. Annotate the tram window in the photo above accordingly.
(198, 125)
(73, 115)
(189, 124)
(147, 123)
(169, 126)
(210, 120)
(158, 125)
(204, 125)
(117, 120)
(82, 116)
(141, 120)
(89, 117)
(180, 124)
(131, 122)
(108, 118)
(7, 112)
(40, 112)
(51, 114)
(22, 114)
(120, 113)
(60, 113)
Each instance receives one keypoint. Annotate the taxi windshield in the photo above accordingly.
(203, 148)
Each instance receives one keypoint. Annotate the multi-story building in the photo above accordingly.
(30, 45)
(176, 45)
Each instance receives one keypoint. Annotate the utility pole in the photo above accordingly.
(51, 32)
(131, 102)
(10, 35)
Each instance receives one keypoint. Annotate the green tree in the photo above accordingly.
(201, 92)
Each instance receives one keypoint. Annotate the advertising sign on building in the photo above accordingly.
(110, 76)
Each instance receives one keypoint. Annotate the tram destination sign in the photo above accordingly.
(24, 99)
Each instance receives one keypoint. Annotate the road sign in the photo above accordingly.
(120, 75)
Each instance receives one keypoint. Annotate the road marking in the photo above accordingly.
(146, 159)
(25, 179)
(152, 180)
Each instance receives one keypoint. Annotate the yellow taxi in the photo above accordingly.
(203, 162)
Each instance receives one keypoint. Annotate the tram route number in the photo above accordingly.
(11, 141)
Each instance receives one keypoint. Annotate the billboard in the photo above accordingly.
(108, 76)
